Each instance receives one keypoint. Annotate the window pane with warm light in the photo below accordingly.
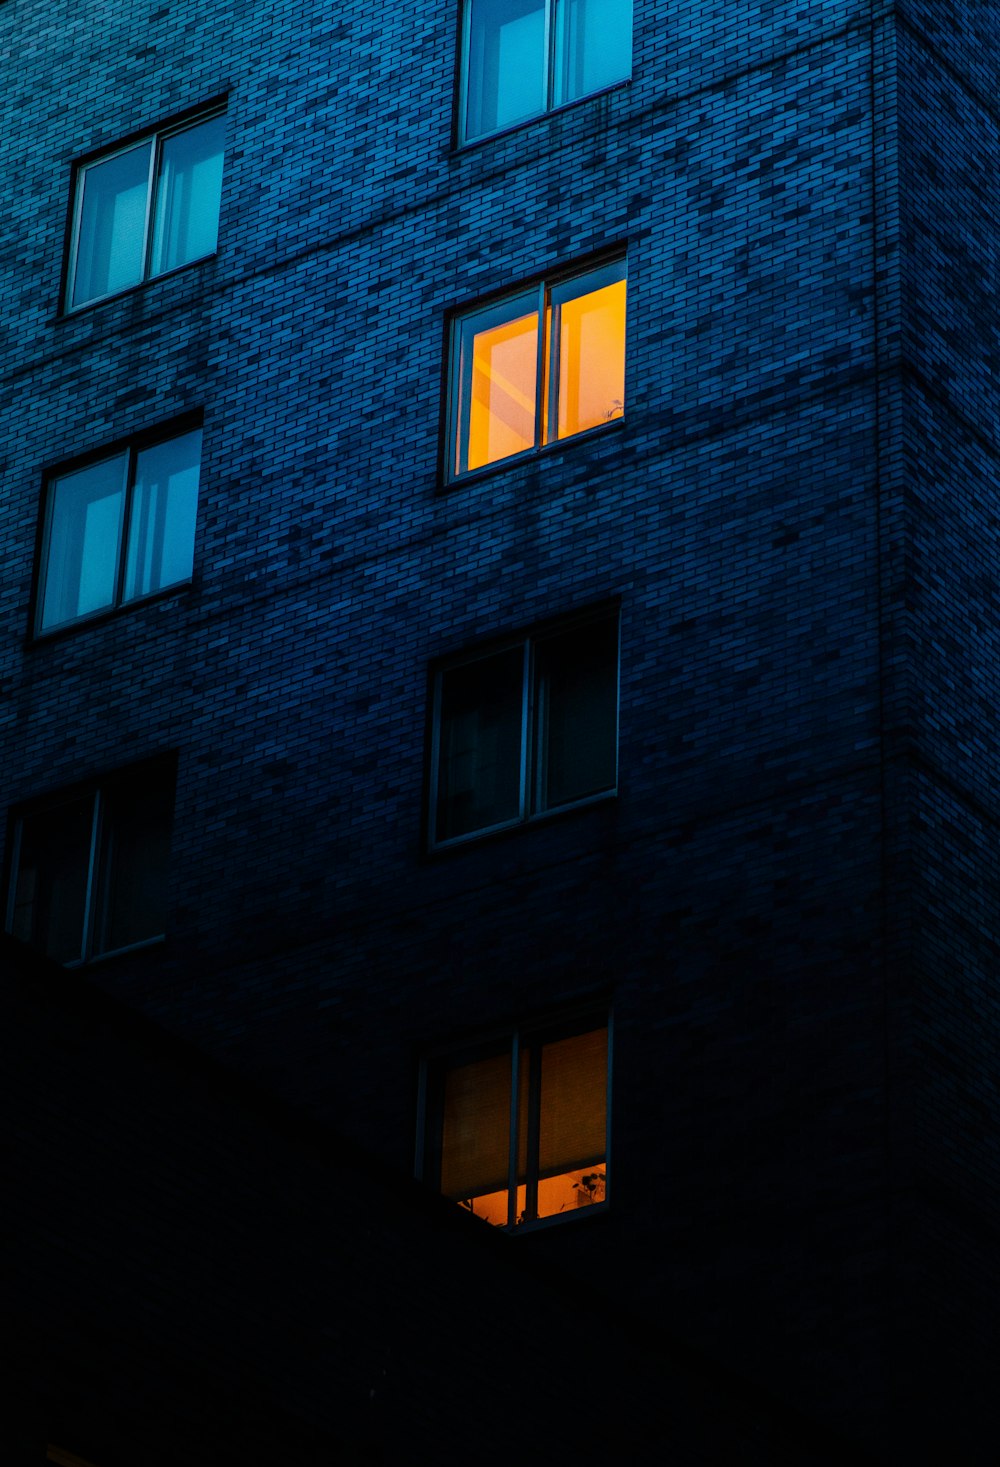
(501, 404)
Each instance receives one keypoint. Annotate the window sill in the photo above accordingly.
(466, 146)
(101, 618)
(543, 817)
(72, 312)
(117, 952)
(531, 455)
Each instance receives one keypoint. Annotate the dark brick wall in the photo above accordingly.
(746, 901)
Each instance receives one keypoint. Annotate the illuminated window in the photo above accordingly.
(145, 209)
(523, 57)
(89, 868)
(118, 528)
(516, 385)
(525, 730)
(517, 1130)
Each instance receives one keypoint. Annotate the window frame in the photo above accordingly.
(463, 139)
(159, 770)
(526, 1037)
(536, 295)
(532, 739)
(133, 445)
(157, 136)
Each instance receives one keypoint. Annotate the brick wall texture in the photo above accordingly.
(791, 903)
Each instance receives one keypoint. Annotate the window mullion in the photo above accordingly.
(149, 222)
(126, 529)
(515, 1130)
(541, 360)
(90, 898)
(527, 732)
(533, 1132)
(550, 59)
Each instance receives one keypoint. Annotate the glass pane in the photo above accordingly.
(82, 542)
(164, 506)
(111, 240)
(135, 846)
(498, 371)
(590, 343)
(593, 46)
(50, 884)
(475, 1136)
(505, 64)
(479, 756)
(572, 1122)
(188, 191)
(577, 713)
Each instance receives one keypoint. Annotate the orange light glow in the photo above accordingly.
(591, 359)
(502, 410)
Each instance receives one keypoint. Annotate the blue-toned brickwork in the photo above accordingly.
(757, 513)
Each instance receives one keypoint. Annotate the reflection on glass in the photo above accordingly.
(577, 711)
(479, 760)
(135, 847)
(188, 191)
(82, 541)
(505, 64)
(50, 892)
(591, 357)
(502, 407)
(593, 46)
(162, 517)
(112, 226)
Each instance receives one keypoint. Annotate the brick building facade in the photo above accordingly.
(233, 781)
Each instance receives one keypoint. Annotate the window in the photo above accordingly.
(517, 384)
(89, 868)
(517, 1130)
(522, 57)
(144, 209)
(525, 730)
(118, 528)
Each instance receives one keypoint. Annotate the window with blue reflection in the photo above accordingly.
(523, 57)
(119, 529)
(146, 209)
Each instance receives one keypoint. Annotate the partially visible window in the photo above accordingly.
(118, 529)
(517, 1130)
(525, 730)
(89, 869)
(537, 366)
(145, 209)
(522, 57)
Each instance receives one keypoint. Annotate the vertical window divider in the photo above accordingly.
(549, 46)
(88, 906)
(515, 1129)
(534, 1130)
(527, 750)
(126, 526)
(155, 153)
(541, 363)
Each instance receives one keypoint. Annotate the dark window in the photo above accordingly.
(89, 870)
(525, 730)
(522, 57)
(516, 384)
(144, 209)
(517, 1130)
(118, 529)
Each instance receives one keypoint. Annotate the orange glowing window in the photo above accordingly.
(520, 1130)
(516, 386)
